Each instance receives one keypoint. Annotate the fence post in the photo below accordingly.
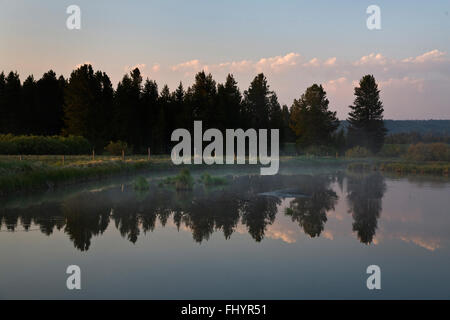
(148, 153)
(93, 154)
(63, 159)
(123, 155)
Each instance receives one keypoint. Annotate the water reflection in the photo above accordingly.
(365, 195)
(311, 212)
(252, 202)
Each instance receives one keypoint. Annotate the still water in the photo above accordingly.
(297, 235)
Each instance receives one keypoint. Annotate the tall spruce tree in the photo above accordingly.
(203, 98)
(88, 104)
(257, 103)
(31, 113)
(149, 99)
(50, 104)
(366, 127)
(311, 120)
(129, 110)
(229, 100)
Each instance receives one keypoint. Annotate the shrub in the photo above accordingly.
(39, 145)
(115, 148)
(140, 184)
(429, 152)
(357, 152)
(182, 181)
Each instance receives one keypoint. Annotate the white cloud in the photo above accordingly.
(434, 55)
(371, 59)
(188, 65)
(335, 85)
(278, 62)
(405, 83)
(330, 62)
(314, 62)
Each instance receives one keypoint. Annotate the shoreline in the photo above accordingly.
(42, 173)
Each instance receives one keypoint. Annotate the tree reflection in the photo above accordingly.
(310, 211)
(86, 216)
(249, 201)
(365, 193)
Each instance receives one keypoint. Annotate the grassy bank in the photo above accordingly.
(46, 173)
(21, 174)
(402, 167)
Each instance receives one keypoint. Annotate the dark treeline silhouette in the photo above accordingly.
(34, 107)
(246, 201)
(143, 115)
(138, 112)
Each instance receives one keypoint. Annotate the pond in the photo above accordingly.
(297, 235)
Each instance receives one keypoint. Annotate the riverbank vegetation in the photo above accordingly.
(57, 131)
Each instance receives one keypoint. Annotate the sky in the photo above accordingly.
(295, 44)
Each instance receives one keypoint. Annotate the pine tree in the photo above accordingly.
(11, 104)
(311, 120)
(229, 100)
(31, 113)
(129, 110)
(366, 126)
(181, 114)
(50, 104)
(149, 99)
(257, 103)
(88, 105)
(203, 100)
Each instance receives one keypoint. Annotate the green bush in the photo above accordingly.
(39, 145)
(429, 152)
(141, 184)
(115, 148)
(182, 181)
(357, 152)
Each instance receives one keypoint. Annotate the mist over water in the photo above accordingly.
(299, 234)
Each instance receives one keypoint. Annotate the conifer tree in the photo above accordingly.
(311, 120)
(366, 126)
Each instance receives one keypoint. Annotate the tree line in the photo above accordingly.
(141, 114)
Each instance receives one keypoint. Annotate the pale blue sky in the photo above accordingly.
(117, 35)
